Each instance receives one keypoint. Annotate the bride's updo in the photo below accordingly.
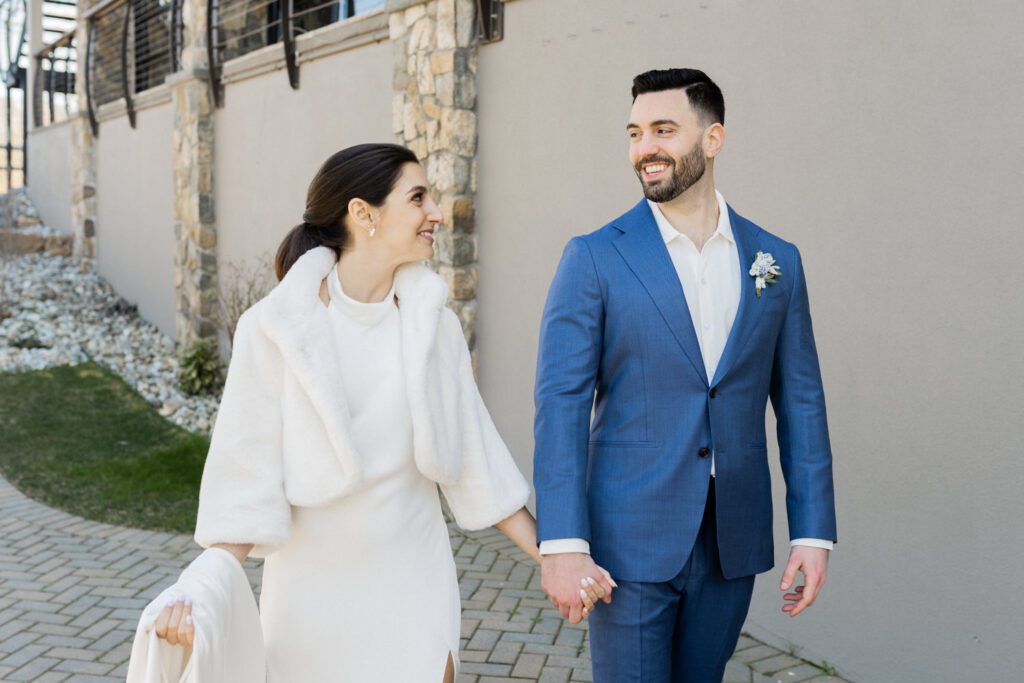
(368, 172)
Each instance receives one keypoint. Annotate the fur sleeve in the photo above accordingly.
(241, 498)
(490, 487)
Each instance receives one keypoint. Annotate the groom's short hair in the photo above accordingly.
(705, 97)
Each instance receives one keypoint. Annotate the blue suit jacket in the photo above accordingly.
(633, 481)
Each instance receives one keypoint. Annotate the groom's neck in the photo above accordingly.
(694, 213)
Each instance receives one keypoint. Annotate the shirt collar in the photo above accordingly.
(668, 233)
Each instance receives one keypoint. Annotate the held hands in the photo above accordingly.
(813, 564)
(175, 623)
(574, 584)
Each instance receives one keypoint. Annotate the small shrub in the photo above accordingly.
(240, 285)
(201, 370)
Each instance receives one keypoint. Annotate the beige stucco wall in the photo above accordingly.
(49, 167)
(270, 141)
(883, 139)
(135, 211)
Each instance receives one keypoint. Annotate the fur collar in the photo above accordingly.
(296, 320)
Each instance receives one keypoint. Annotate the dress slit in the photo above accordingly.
(449, 665)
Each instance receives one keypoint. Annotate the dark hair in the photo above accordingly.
(705, 97)
(367, 172)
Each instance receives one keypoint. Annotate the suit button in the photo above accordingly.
(714, 392)
(704, 452)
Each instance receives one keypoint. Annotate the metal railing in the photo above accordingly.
(237, 27)
(133, 46)
(490, 20)
(54, 87)
(13, 20)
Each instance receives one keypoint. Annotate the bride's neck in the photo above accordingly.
(363, 280)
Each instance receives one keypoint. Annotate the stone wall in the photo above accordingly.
(83, 158)
(195, 230)
(435, 53)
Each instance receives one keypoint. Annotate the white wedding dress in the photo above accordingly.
(365, 589)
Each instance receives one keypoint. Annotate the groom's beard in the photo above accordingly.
(685, 173)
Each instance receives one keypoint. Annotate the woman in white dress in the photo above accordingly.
(349, 401)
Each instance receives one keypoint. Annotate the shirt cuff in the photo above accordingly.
(564, 545)
(809, 542)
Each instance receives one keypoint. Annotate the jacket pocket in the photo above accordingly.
(625, 444)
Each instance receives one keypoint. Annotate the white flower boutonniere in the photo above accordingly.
(764, 271)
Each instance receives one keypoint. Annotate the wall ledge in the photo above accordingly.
(147, 99)
(348, 34)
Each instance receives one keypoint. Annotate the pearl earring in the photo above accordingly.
(373, 230)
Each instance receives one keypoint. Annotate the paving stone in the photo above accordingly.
(32, 671)
(773, 664)
(76, 666)
(554, 675)
(505, 652)
(71, 592)
(529, 666)
(797, 674)
(736, 672)
(752, 654)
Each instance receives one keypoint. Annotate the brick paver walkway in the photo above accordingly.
(71, 592)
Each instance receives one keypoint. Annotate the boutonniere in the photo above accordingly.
(764, 271)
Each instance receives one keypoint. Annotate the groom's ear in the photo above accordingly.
(714, 140)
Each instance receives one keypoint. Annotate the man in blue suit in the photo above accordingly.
(675, 324)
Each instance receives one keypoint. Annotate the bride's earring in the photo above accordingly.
(373, 230)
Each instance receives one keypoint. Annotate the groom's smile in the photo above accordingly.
(654, 170)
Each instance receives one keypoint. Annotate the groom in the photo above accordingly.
(676, 323)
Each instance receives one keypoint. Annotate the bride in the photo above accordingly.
(349, 401)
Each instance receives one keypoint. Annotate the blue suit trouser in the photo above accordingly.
(679, 631)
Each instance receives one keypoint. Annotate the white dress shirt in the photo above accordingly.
(711, 283)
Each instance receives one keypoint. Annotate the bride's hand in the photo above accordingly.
(593, 591)
(175, 623)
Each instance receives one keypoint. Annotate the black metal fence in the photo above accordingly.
(238, 27)
(54, 87)
(133, 46)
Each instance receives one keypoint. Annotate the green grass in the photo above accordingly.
(81, 440)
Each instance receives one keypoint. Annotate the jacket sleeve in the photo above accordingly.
(241, 498)
(571, 335)
(798, 399)
(490, 487)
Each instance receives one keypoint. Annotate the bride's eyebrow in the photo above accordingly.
(418, 188)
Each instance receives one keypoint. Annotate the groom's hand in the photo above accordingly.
(813, 564)
(560, 577)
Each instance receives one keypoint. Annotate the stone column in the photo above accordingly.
(195, 258)
(83, 157)
(435, 58)
(34, 19)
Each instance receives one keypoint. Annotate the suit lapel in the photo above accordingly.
(644, 251)
(750, 307)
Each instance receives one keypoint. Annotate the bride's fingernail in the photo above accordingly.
(188, 620)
